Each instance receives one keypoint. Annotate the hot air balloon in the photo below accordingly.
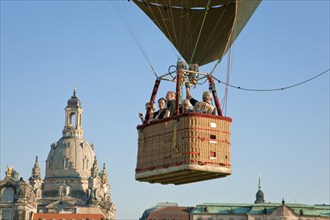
(190, 147)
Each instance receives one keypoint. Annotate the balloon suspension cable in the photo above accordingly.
(230, 39)
(167, 29)
(273, 89)
(154, 18)
(229, 46)
(215, 66)
(133, 29)
(174, 51)
(200, 31)
(154, 72)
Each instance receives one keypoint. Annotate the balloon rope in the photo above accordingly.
(132, 28)
(230, 43)
(200, 31)
(274, 89)
(166, 30)
(173, 26)
(218, 29)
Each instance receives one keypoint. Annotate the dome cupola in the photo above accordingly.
(74, 101)
(73, 117)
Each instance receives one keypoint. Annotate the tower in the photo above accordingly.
(71, 170)
(260, 193)
(73, 117)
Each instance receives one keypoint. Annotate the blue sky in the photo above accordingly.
(49, 46)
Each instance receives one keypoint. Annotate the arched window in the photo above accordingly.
(73, 119)
(65, 162)
(8, 195)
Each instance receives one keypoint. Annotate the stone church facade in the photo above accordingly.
(17, 197)
(73, 182)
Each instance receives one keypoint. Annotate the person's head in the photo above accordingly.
(207, 97)
(161, 103)
(170, 95)
(152, 106)
(186, 104)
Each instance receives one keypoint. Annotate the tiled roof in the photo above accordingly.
(160, 205)
(181, 213)
(67, 216)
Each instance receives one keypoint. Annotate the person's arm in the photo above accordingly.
(189, 96)
(167, 113)
(193, 101)
(214, 112)
(188, 93)
(141, 117)
(151, 115)
(168, 108)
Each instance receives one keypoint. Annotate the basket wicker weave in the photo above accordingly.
(182, 149)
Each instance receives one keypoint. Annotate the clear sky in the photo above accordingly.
(49, 46)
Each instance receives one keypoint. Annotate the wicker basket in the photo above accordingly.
(182, 149)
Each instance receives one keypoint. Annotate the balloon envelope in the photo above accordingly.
(201, 30)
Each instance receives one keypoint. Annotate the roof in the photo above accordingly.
(159, 205)
(171, 212)
(261, 208)
(67, 216)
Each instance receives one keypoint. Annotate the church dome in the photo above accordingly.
(72, 179)
(70, 157)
